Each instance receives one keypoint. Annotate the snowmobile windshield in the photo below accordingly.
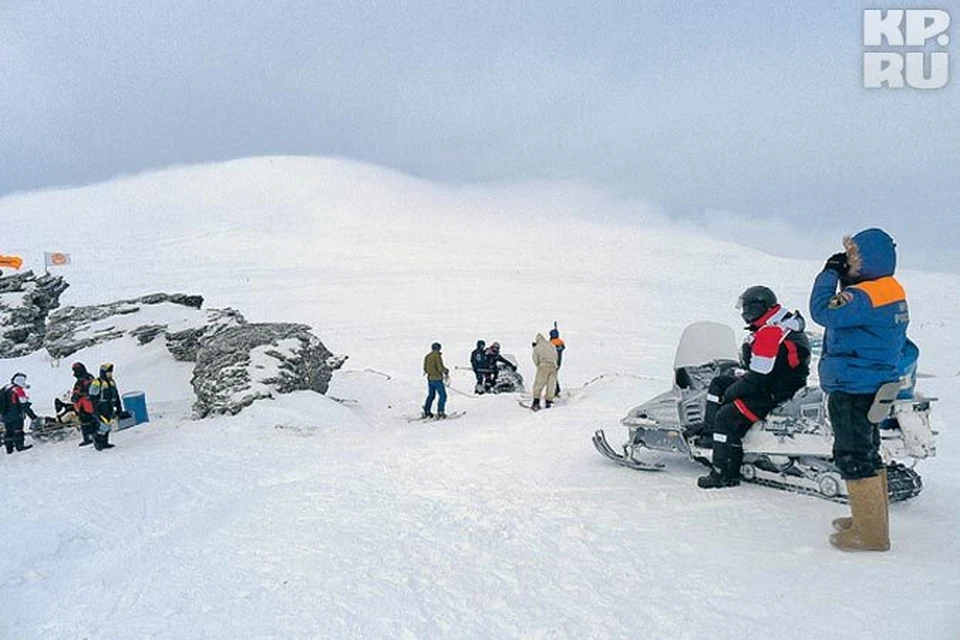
(704, 342)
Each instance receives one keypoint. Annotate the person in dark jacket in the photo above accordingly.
(436, 372)
(560, 345)
(864, 311)
(105, 398)
(16, 405)
(776, 356)
(494, 360)
(478, 362)
(82, 405)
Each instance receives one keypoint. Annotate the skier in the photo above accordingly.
(436, 372)
(82, 405)
(493, 366)
(478, 362)
(106, 405)
(560, 345)
(545, 358)
(14, 407)
(776, 356)
(864, 342)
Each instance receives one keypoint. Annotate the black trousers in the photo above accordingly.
(88, 426)
(730, 422)
(13, 435)
(856, 440)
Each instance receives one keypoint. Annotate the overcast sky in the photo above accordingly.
(748, 117)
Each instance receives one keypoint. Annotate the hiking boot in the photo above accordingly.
(547, 404)
(441, 415)
(535, 405)
(85, 442)
(716, 481)
(426, 414)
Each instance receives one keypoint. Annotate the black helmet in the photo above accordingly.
(754, 302)
(435, 346)
(79, 370)
(481, 344)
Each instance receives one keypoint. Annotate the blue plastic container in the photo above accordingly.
(135, 402)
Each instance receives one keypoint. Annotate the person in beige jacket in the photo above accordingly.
(545, 358)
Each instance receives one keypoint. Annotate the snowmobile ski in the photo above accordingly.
(624, 460)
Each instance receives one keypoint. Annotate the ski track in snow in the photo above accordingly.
(307, 518)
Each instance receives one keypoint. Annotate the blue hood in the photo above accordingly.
(878, 256)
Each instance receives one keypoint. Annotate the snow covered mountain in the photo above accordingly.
(305, 517)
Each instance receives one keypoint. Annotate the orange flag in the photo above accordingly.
(11, 261)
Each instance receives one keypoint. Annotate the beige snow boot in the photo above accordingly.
(842, 524)
(870, 530)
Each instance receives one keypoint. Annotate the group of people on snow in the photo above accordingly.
(486, 363)
(95, 401)
(865, 315)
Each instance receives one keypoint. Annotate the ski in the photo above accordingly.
(526, 404)
(450, 416)
(601, 444)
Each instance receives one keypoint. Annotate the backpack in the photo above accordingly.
(6, 402)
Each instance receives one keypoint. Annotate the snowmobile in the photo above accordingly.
(507, 381)
(792, 448)
(65, 425)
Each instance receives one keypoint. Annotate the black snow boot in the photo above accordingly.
(535, 405)
(726, 467)
(716, 481)
(104, 441)
(547, 404)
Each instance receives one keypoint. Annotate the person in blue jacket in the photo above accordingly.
(864, 311)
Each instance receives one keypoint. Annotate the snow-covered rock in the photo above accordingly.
(177, 317)
(25, 302)
(241, 364)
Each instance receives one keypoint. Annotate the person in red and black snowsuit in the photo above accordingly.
(82, 405)
(776, 356)
(16, 407)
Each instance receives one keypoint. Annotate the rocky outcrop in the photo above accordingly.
(74, 328)
(241, 364)
(236, 362)
(25, 302)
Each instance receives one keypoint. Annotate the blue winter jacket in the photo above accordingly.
(866, 322)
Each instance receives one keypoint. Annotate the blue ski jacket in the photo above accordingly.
(866, 321)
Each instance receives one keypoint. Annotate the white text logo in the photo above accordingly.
(926, 66)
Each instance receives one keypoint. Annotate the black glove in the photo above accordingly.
(837, 262)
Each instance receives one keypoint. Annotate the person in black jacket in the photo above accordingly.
(16, 407)
(776, 356)
(478, 362)
(493, 366)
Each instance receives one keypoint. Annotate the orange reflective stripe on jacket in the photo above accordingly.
(883, 291)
